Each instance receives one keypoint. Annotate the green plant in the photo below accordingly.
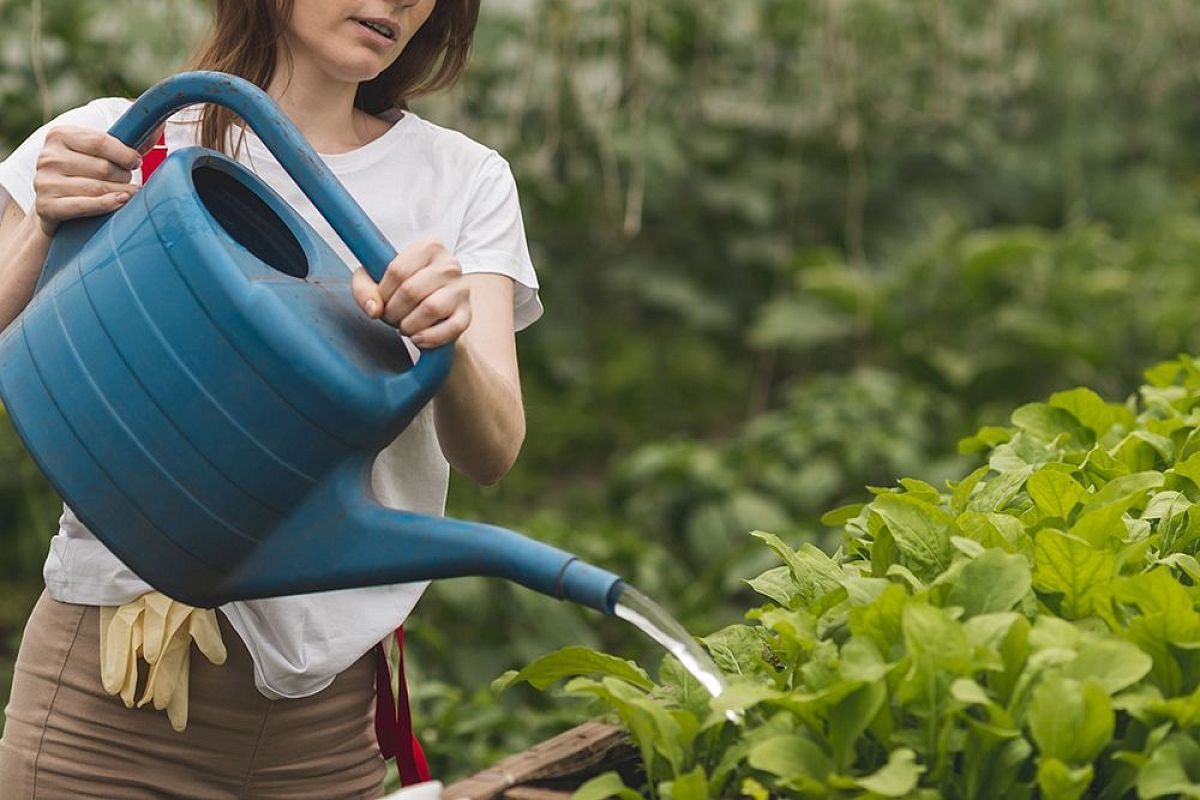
(1031, 631)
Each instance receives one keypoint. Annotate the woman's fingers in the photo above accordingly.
(422, 293)
(407, 263)
(446, 331)
(52, 211)
(440, 306)
(82, 165)
(70, 163)
(366, 293)
(98, 143)
(81, 173)
(442, 270)
(91, 206)
(60, 186)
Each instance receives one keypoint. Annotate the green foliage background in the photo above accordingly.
(787, 249)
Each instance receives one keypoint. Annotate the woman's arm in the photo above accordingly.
(478, 413)
(25, 245)
(80, 173)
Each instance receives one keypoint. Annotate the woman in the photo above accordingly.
(290, 711)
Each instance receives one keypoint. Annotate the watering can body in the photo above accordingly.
(195, 379)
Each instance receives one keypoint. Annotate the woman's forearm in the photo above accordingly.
(479, 416)
(23, 248)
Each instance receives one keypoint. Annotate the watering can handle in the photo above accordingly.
(344, 215)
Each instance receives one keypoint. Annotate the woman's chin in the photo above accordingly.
(357, 71)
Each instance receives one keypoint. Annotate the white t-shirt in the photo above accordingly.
(416, 180)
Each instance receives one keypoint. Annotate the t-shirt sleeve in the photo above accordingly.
(492, 238)
(16, 171)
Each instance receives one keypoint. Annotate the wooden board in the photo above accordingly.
(536, 793)
(569, 758)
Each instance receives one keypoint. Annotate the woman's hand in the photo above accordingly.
(81, 172)
(422, 294)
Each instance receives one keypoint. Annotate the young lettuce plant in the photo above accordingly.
(1031, 631)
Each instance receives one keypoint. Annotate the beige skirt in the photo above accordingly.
(65, 737)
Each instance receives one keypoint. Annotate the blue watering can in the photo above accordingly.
(195, 379)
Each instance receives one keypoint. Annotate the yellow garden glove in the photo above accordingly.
(162, 631)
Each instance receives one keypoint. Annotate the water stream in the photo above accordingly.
(646, 615)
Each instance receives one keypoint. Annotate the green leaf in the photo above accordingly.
(922, 531)
(777, 584)
(998, 492)
(797, 628)
(570, 662)
(814, 572)
(968, 547)
(1100, 465)
(754, 790)
(921, 490)
(1170, 510)
(689, 786)
(738, 649)
(743, 695)
(992, 529)
(682, 686)
(1167, 624)
(1070, 720)
(1143, 450)
(1183, 711)
(1055, 492)
(968, 692)
(1185, 563)
(1189, 468)
(653, 727)
(1157, 591)
(987, 634)
(961, 494)
(936, 643)
(604, 786)
(896, 778)
(841, 515)
(985, 439)
(1091, 410)
(861, 661)
(1113, 663)
(1163, 373)
(1082, 574)
(1101, 515)
(899, 570)
(1172, 769)
(880, 621)
(994, 581)
(849, 717)
(792, 758)
(1059, 782)
(1048, 423)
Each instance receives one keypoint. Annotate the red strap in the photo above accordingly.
(393, 721)
(153, 157)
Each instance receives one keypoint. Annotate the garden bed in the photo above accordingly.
(553, 769)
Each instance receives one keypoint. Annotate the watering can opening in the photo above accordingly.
(248, 219)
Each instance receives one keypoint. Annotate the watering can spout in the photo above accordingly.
(343, 538)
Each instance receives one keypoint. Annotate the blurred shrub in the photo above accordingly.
(786, 249)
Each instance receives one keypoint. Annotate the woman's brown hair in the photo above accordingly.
(246, 36)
